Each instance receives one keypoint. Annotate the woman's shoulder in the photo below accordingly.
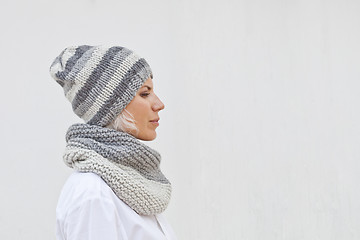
(86, 200)
(81, 187)
(86, 184)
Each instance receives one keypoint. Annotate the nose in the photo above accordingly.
(158, 105)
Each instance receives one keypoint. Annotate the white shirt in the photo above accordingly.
(89, 210)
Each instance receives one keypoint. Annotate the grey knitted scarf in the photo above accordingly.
(129, 167)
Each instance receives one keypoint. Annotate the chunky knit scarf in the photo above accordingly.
(129, 167)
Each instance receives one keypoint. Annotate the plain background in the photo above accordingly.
(261, 129)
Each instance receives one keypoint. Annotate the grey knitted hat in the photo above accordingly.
(99, 81)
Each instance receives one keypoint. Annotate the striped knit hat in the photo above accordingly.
(99, 81)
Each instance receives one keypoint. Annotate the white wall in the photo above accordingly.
(260, 134)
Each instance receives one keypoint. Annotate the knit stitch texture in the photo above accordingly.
(129, 167)
(99, 81)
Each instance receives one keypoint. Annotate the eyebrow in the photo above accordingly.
(149, 88)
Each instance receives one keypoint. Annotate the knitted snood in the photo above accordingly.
(129, 167)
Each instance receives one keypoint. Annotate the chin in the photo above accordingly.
(147, 137)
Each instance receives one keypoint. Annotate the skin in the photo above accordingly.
(145, 107)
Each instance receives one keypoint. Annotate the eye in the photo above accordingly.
(144, 94)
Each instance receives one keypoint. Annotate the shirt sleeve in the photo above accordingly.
(94, 219)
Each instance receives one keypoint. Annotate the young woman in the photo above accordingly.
(117, 190)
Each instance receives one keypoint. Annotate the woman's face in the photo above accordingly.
(145, 107)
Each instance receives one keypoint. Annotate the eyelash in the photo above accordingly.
(145, 94)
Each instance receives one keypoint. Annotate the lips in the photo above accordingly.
(155, 120)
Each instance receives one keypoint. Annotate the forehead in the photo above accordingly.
(148, 83)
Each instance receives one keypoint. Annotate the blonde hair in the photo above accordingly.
(124, 122)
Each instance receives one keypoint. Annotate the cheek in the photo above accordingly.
(140, 112)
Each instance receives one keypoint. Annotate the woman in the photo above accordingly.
(117, 190)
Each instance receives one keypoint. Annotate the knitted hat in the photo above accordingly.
(99, 81)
